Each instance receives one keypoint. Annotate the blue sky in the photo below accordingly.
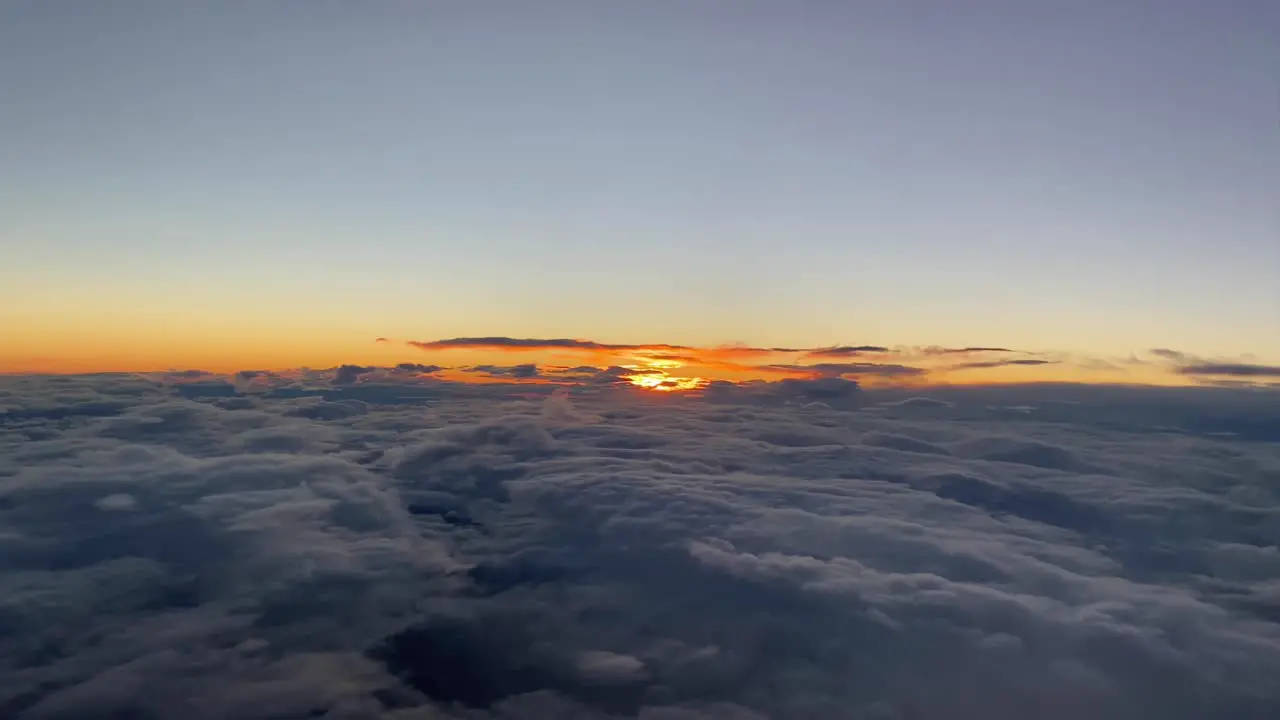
(1093, 176)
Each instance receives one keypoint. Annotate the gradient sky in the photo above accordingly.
(273, 183)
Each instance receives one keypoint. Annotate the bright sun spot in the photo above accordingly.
(653, 375)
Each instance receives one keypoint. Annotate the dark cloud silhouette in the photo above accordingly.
(963, 350)
(846, 351)
(507, 343)
(825, 391)
(664, 349)
(517, 372)
(1174, 355)
(612, 375)
(578, 370)
(418, 368)
(1002, 363)
(1218, 373)
(1231, 369)
(347, 374)
(882, 369)
(526, 370)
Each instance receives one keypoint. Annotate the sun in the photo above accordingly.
(663, 382)
(651, 374)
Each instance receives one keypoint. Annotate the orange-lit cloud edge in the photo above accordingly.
(667, 367)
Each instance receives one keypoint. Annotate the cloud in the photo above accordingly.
(537, 344)
(745, 351)
(838, 369)
(1173, 355)
(408, 548)
(532, 344)
(1001, 363)
(1231, 369)
(418, 368)
(579, 370)
(845, 351)
(934, 350)
(515, 372)
(347, 374)
(1217, 372)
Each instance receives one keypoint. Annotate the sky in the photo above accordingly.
(233, 185)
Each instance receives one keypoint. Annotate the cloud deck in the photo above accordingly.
(438, 550)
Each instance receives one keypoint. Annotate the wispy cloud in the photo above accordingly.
(1231, 370)
(1219, 371)
(841, 369)
(934, 350)
(1173, 355)
(841, 351)
(418, 368)
(1001, 363)
(500, 343)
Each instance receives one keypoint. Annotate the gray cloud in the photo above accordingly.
(347, 374)
(800, 549)
(515, 372)
(1231, 369)
(1217, 372)
(846, 351)
(418, 368)
(836, 369)
(499, 342)
(1002, 363)
(964, 350)
(1174, 355)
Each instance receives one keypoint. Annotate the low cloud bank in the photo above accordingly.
(305, 547)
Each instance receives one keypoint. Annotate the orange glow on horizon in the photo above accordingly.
(147, 348)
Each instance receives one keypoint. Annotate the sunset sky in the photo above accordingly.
(237, 185)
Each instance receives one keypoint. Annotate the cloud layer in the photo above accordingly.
(382, 544)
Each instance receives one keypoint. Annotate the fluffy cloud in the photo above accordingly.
(414, 548)
(523, 371)
(347, 374)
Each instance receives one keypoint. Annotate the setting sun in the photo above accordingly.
(652, 375)
(662, 382)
